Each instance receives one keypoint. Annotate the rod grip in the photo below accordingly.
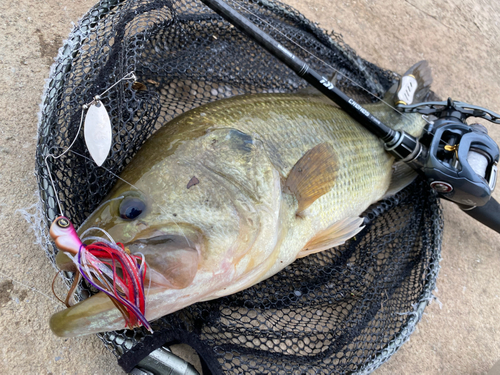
(489, 214)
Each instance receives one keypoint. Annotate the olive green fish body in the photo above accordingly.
(233, 192)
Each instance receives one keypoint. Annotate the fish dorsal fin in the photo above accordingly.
(402, 176)
(313, 175)
(335, 235)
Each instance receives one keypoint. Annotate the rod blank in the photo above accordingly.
(303, 70)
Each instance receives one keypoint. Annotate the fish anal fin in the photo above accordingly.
(313, 175)
(334, 235)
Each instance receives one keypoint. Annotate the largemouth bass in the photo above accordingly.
(228, 194)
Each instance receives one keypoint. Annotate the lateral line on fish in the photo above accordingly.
(317, 58)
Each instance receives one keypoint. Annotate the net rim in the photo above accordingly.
(49, 101)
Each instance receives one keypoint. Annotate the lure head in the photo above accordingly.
(64, 235)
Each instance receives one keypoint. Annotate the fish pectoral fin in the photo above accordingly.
(313, 175)
(402, 176)
(332, 236)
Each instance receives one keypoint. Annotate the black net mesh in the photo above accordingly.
(340, 311)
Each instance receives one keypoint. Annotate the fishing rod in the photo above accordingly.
(459, 161)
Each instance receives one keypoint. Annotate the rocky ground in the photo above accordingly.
(460, 39)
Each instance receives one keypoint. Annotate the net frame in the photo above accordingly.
(117, 37)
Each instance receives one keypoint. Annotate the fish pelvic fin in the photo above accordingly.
(313, 175)
(420, 75)
(334, 235)
(402, 176)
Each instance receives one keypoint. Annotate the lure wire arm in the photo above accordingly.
(97, 98)
(99, 262)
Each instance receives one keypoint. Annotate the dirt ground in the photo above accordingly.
(460, 39)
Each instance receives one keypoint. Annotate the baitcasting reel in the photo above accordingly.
(459, 161)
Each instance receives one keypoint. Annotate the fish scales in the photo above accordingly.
(293, 124)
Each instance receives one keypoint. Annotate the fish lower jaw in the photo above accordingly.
(98, 314)
(93, 315)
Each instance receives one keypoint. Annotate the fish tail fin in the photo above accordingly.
(413, 87)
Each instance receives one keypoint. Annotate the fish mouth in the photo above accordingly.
(172, 259)
(160, 239)
(172, 263)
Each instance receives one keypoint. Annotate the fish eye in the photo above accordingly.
(131, 208)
